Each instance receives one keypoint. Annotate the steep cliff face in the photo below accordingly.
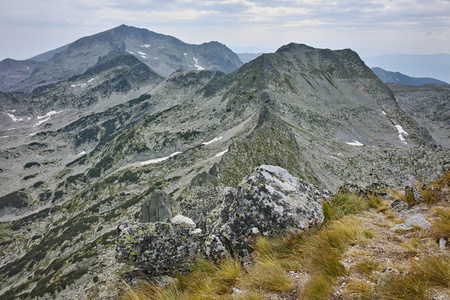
(322, 115)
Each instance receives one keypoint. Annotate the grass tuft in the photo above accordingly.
(359, 290)
(267, 274)
(367, 266)
(400, 287)
(318, 287)
(251, 295)
(343, 204)
(435, 269)
(441, 227)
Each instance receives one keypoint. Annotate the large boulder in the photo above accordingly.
(159, 248)
(268, 201)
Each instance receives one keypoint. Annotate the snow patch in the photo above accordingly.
(158, 160)
(355, 143)
(221, 153)
(81, 153)
(212, 141)
(401, 132)
(14, 117)
(142, 54)
(185, 53)
(130, 51)
(145, 46)
(384, 113)
(46, 117)
(197, 65)
(80, 85)
(92, 79)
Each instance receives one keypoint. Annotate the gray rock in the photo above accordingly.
(269, 200)
(158, 248)
(398, 205)
(416, 220)
(442, 243)
(159, 208)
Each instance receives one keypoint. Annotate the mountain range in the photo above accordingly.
(163, 54)
(433, 66)
(397, 77)
(95, 127)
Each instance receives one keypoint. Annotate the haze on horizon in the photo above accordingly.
(370, 27)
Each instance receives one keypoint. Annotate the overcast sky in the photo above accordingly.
(371, 27)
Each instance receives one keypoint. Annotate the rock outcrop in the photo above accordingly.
(268, 201)
(158, 208)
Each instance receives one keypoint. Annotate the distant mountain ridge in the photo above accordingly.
(399, 78)
(433, 66)
(163, 54)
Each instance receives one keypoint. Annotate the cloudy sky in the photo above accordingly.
(371, 27)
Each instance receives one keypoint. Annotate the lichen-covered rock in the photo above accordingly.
(374, 189)
(398, 205)
(158, 248)
(269, 200)
(158, 208)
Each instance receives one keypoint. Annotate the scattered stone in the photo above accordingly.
(374, 189)
(416, 220)
(442, 243)
(398, 205)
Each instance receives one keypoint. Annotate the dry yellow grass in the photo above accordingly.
(267, 274)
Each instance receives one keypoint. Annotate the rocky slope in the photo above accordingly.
(322, 115)
(163, 54)
(429, 105)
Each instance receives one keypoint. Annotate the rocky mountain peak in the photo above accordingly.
(162, 53)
